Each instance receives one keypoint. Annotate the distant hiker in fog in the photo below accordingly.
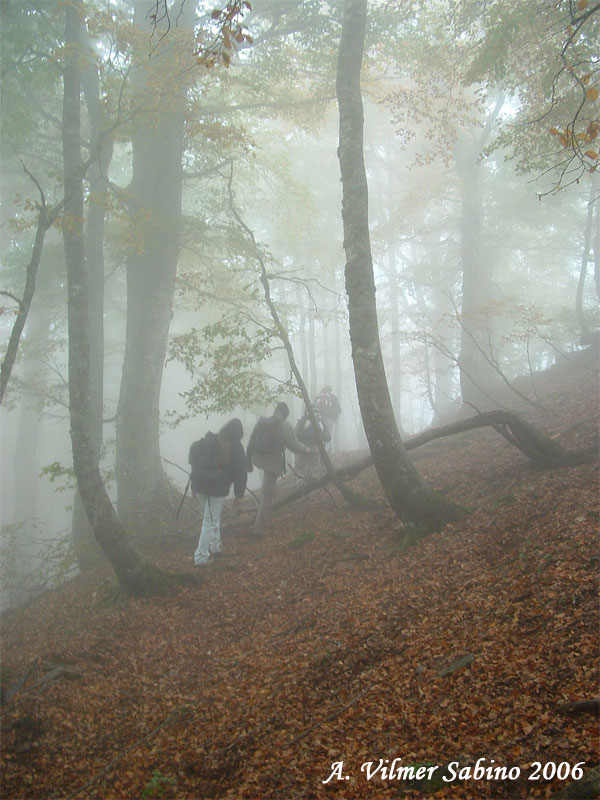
(308, 464)
(217, 460)
(266, 450)
(329, 408)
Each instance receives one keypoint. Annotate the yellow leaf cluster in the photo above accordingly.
(569, 139)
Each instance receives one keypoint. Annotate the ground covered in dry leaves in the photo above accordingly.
(328, 642)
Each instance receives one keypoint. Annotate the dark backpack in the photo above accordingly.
(329, 405)
(307, 434)
(268, 436)
(209, 461)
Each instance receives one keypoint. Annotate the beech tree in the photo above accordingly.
(136, 575)
(101, 149)
(477, 377)
(159, 85)
(413, 500)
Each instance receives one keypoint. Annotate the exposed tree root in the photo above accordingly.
(148, 582)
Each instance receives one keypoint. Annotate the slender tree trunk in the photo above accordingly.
(443, 366)
(477, 376)
(312, 356)
(282, 333)
(46, 218)
(597, 248)
(585, 258)
(341, 424)
(155, 212)
(326, 377)
(135, 574)
(86, 546)
(302, 336)
(26, 468)
(410, 496)
(395, 325)
(475, 373)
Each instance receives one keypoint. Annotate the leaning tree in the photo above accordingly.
(413, 500)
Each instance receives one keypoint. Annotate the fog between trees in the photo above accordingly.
(484, 230)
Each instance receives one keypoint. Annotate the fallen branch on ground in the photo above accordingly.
(581, 706)
(540, 448)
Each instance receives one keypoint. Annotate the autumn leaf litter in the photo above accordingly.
(329, 641)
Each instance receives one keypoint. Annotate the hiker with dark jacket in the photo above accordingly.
(266, 450)
(307, 465)
(221, 461)
(329, 408)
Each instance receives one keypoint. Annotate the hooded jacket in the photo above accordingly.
(274, 462)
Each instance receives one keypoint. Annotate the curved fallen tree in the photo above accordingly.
(542, 450)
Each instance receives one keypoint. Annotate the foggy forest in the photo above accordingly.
(299, 341)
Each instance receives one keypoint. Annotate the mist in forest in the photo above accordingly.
(208, 153)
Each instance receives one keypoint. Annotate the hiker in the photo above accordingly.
(266, 450)
(307, 465)
(329, 408)
(217, 460)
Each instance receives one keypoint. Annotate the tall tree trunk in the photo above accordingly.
(302, 336)
(26, 467)
(135, 574)
(477, 376)
(395, 325)
(443, 366)
(341, 424)
(585, 258)
(155, 210)
(410, 496)
(597, 248)
(86, 546)
(326, 377)
(476, 380)
(312, 355)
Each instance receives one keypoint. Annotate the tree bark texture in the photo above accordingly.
(86, 546)
(413, 500)
(393, 279)
(155, 217)
(134, 573)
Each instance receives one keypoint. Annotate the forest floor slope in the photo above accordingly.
(327, 641)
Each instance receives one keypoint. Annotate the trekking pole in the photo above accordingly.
(187, 486)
